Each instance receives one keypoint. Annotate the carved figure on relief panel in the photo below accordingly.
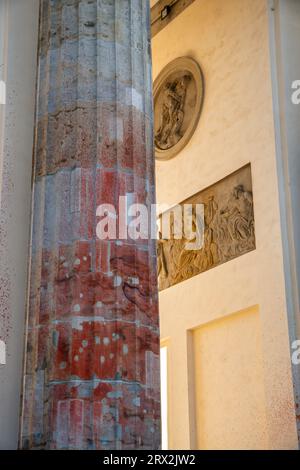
(238, 214)
(208, 256)
(168, 256)
(211, 210)
(237, 217)
(188, 249)
(162, 269)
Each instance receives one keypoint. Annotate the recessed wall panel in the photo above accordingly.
(229, 385)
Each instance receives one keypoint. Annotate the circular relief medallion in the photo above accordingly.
(178, 99)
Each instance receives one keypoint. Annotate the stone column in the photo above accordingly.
(91, 377)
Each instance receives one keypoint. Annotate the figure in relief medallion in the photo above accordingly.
(172, 113)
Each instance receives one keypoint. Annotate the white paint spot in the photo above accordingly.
(66, 264)
(2, 353)
(62, 365)
(76, 308)
(125, 349)
(77, 324)
(84, 258)
(2, 92)
(80, 350)
(99, 304)
(77, 262)
(76, 358)
(102, 359)
(134, 280)
(97, 340)
(111, 355)
(62, 258)
(84, 343)
(80, 295)
(136, 401)
(134, 98)
(117, 281)
(106, 341)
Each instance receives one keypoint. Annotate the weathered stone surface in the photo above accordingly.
(92, 369)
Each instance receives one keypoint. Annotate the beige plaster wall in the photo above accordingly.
(230, 40)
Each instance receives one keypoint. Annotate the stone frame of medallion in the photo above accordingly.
(178, 65)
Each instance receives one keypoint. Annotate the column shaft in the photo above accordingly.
(91, 377)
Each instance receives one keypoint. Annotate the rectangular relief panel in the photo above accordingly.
(230, 408)
(228, 230)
